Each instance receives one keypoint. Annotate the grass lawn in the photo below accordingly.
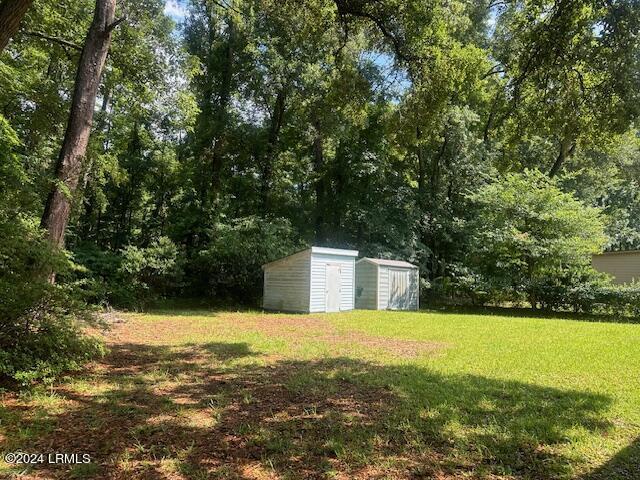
(198, 395)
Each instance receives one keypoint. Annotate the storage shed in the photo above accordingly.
(315, 280)
(386, 285)
(624, 266)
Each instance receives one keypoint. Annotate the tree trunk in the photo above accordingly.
(567, 146)
(318, 166)
(422, 174)
(76, 137)
(277, 118)
(11, 14)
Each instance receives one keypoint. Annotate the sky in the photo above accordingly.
(175, 9)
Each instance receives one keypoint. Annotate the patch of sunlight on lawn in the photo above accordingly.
(358, 395)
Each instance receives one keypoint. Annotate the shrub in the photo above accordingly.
(132, 278)
(619, 300)
(97, 273)
(152, 272)
(531, 240)
(461, 286)
(230, 266)
(40, 324)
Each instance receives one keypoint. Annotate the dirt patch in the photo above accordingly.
(295, 328)
(394, 346)
(320, 329)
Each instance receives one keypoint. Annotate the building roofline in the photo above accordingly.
(616, 252)
(335, 251)
(387, 262)
(325, 250)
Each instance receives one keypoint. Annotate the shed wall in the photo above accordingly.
(624, 266)
(318, 281)
(414, 289)
(383, 287)
(286, 284)
(366, 285)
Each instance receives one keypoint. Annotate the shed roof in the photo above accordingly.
(325, 250)
(388, 263)
(617, 252)
(335, 251)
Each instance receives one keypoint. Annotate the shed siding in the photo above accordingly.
(383, 287)
(414, 289)
(286, 284)
(317, 288)
(366, 285)
(624, 266)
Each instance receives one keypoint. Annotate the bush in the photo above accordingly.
(532, 241)
(569, 288)
(96, 273)
(152, 272)
(230, 266)
(461, 286)
(132, 278)
(40, 324)
(619, 300)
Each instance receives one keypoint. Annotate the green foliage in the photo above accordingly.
(131, 278)
(40, 324)
(621, 300)
(532, 241)
(152, 271)
(256, 127)
(231, 265)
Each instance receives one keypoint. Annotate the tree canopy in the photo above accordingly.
(235, 131)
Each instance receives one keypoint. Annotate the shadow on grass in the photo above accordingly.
(624, 465)
(207, 411)
(529, 313)
(214, 311)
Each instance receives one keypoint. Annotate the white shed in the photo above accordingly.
(315, 280)
(386, 285)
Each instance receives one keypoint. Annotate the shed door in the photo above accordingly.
(333, 281)
(398, 289)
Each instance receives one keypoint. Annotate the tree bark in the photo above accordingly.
(567, 146)
(11, 14)
(277, 118)
(320, 187)
(422, 174)
(76, 137)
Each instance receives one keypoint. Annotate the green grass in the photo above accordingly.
(196, 394)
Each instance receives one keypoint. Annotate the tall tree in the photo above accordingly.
(11, 14)
(76, 138)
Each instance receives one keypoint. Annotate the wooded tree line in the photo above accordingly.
(209, 144)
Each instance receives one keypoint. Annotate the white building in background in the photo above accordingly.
(386, 285)
(315, 280)
(623, 266)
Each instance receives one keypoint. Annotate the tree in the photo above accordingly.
(571, 75)
(529, 235)
(11, 14)
(74, 146)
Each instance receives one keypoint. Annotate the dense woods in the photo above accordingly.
(492, 143)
